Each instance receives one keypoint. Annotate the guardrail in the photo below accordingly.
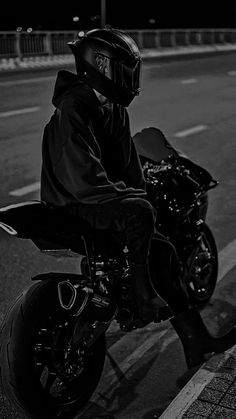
(49, 43)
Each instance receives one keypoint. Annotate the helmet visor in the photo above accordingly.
(126, 74)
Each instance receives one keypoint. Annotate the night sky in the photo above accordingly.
(120, 14)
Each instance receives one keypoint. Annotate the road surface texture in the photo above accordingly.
(193, 102)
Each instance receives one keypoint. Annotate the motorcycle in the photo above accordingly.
(53, 338)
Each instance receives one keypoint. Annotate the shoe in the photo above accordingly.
(147, 301)
(197, 342)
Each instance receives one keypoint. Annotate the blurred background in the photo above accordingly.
(123, 14)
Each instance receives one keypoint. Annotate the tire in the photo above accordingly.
(202, 276)
(32, 357)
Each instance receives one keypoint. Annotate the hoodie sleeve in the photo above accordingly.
(79, 168)
(132, 173)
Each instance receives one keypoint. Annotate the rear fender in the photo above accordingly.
(9, 229)
(59, 276)
(19, 219)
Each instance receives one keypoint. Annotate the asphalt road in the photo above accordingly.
(193, 102)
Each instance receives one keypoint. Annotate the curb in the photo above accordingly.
(15, 64)
(210, 393)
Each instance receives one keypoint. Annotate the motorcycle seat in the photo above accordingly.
(37, 218)
(50, 230)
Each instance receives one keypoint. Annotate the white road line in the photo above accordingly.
(26, 81)
(26, 189)
(110, 378)
(188, 81)
(19, 112)
(130, 360)
(232, 73)
(190, 131)
(227, 259)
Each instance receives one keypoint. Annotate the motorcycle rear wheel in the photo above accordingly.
(36, 373)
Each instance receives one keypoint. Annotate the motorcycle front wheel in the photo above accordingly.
(202, 271)
(41, 376)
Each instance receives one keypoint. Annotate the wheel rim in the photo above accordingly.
(203, 274)
(58, 368)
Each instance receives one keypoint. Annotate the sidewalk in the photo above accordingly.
(13, 64)
(210, 393)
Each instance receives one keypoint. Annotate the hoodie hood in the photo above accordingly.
(68, 83)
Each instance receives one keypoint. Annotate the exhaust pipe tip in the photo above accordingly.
(67, 294)
(71, 297)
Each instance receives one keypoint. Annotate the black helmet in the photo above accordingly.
(109, 61)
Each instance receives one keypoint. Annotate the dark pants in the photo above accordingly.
(135, 217)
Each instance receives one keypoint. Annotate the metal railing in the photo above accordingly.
(49, 43)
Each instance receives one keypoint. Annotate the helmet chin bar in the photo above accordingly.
(106, 88)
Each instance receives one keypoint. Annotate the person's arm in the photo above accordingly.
(131, 169)
(133, 174)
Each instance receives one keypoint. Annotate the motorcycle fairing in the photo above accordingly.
(151, 143)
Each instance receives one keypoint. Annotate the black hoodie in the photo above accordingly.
(88, 154)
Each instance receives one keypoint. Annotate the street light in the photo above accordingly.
(152, 21)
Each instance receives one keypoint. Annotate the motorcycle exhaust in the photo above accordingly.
(72, 297)
(77, 299)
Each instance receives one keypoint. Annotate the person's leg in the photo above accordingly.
(196, 340)
(166, 274)
(136, 218)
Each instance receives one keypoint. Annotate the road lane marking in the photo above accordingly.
(190, 131)
(26, 81)
(227, 259)
(188, 81)
(19, 111)
(26, 189)
(232, 73)
(110, 378)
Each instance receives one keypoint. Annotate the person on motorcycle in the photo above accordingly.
(91, 169)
